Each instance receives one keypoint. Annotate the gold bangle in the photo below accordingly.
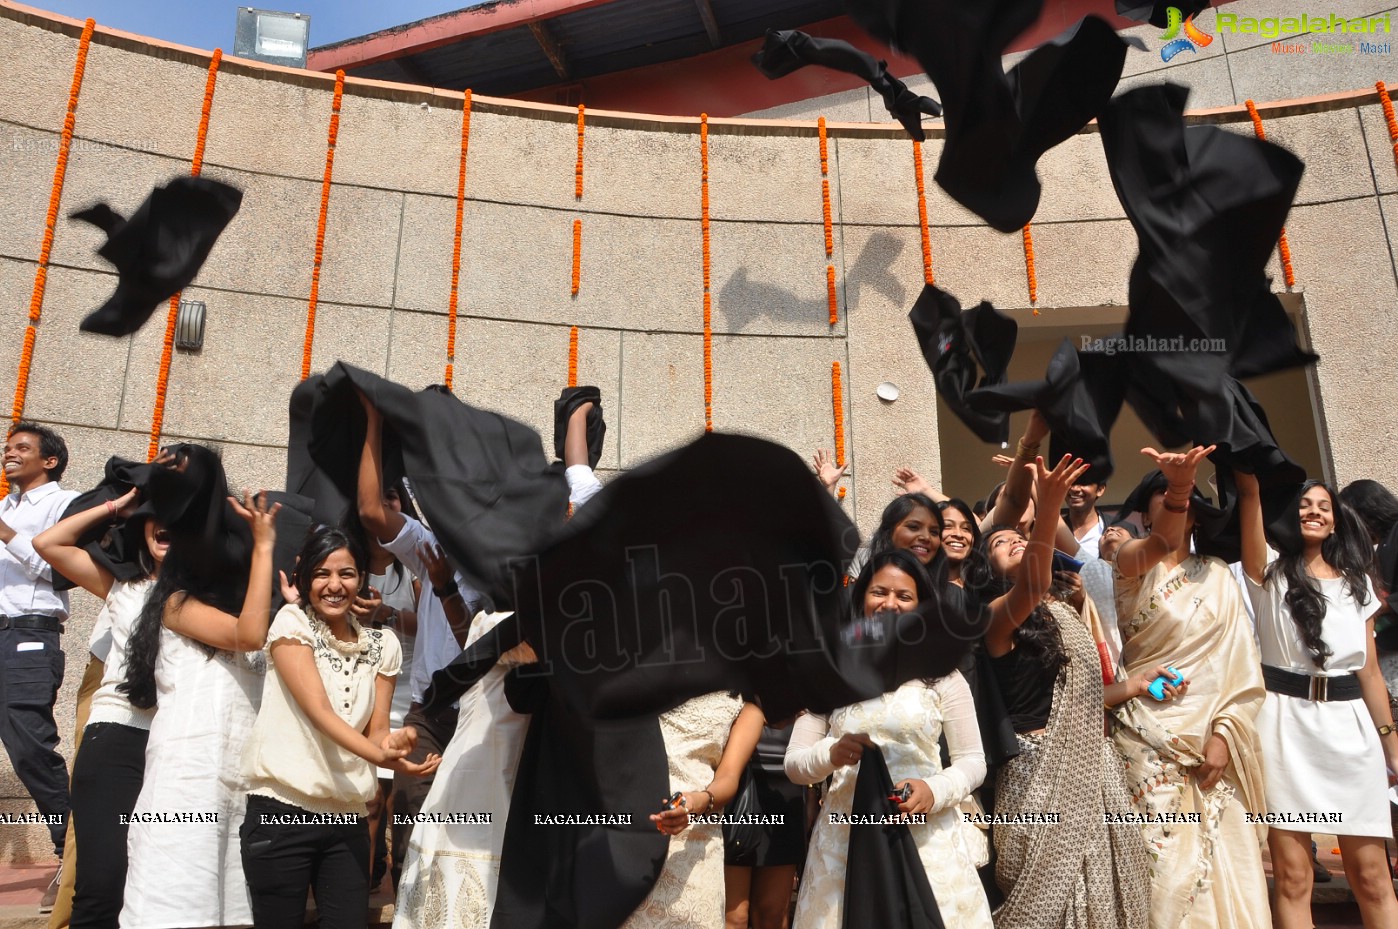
(1026, 451)
(710, 807)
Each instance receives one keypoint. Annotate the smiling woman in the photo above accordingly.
(322, 728)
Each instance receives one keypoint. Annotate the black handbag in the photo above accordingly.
(741, 838)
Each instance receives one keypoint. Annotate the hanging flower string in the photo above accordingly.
(837, 396)
(831, 295)
(708, 297)
(331, 136)
(1283, 246)
(1388, 117)
(832, 298)
(578, 171)
(577, 255)
(453, 298)
(573, 357)
(1029, 268)
(41, 274)
(167, 351)
(927, 274)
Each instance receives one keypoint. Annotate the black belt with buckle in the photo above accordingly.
(32, 621)
(1310, 687)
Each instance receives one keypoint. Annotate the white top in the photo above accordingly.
(906, 725)
(396, 587)
(184, 875)
(120, 611)
(1088, 544)
(1343, 627)
(287, 757)
(435, 646)
(1321, 756)
(26, 581)
(808, 752)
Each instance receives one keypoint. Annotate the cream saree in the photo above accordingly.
(1206, 862)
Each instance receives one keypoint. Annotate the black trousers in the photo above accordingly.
(282, 862)
(31, 671)
(107, 778)
(410, 792)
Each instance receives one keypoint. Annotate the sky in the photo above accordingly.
(209, 24)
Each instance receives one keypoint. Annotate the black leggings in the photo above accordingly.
(281, 862)
(107, 778)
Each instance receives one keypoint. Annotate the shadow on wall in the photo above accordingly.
(743, 301)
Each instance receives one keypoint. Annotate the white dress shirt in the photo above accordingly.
(26, 581)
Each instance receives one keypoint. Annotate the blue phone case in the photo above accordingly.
(1157, 686)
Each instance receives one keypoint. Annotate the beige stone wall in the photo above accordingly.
(386, 275)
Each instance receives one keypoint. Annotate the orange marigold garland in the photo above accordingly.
(1388, 117)
(573, 357)
(578, 171)
(1029, 268)
(708, 297)
(41, 273)
(167, 351)
(456, 239)
(331, 136)
(927, 274)
(832, 297)
(577, 255)
(1283, 246)
(838, 399)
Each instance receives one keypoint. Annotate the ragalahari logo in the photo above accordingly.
(1174, 42)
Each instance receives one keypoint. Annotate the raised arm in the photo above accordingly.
(1013, 500)
(59, 544)
(248, 630)
(1167, 531)
(1035, 573)
(1251, 526)
(384, 523)
(908, 481)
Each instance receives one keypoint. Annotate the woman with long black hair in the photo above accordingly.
(188, 659)
(110, 768)
(1075, 871)
(1324, 750)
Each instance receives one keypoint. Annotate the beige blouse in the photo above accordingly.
(287, 757)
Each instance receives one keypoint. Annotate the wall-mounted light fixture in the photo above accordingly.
(276, 38)
(189, 325)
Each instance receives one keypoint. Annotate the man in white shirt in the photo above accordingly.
(31, 619)
(1083, 517)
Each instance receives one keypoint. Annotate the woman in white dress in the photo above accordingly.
(906, 726)
(184, 869)
(452, 867)
(108, 771)
(1326, 727)
(708, 740)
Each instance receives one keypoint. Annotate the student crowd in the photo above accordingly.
(230, 760)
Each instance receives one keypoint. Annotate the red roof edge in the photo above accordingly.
(439, 30)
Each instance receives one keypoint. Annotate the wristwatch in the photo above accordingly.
(1385, 730)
